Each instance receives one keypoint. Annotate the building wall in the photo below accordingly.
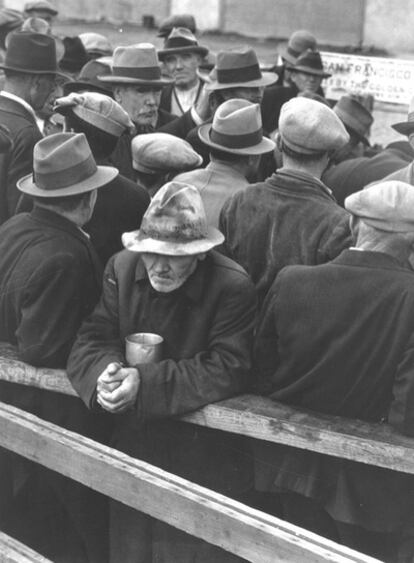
(389, 24)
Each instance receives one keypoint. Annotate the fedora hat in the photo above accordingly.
(181, 40)
(309, 62)
(179, 20)
(88, 79)
(237, 129)
(298, 42)
(31, 52)
(238, 68)
(175, 224)
(354, 116)
(38, 25)
(406, 127)
(63, 165)
(136, 64)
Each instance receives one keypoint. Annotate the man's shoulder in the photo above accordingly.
(227, 269)
(15, 116)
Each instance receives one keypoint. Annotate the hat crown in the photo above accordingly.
(137, 62)
(180, 37)
(237, 117)
(310, 59)
(354, 114)
(301, 40)
(176, 215)
(178, 20)
(94, 68)
(32, 52)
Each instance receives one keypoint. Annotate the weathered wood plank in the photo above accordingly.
(13, 551)
(246, 532)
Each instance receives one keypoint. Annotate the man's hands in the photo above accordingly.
(117, 388)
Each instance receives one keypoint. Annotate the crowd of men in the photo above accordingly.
(245, 219)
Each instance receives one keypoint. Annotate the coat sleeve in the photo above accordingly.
(338, 237)
(220, 371)
(401, 413)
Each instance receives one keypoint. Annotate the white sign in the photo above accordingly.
(388, 80)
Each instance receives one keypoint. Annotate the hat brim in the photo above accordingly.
(109, 79)
(197, 49)
(265, 145)
(137, 242)
(100, 178)
(404, 127)
(266, 79)
(307, 70)
(34, 71)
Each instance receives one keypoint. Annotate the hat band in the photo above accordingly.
(236, 141)
(175, 42)
(241, 74)
(147, 73)
(193, 231)
(68, 177)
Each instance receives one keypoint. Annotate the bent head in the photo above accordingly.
(168, 273)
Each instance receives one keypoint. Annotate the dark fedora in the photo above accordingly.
(406, 127)
(31, 52)
(88, 78)
(309, 62)
(238, 68)
(298, 42)
(179, 20)
(355, 117)
(181, 41)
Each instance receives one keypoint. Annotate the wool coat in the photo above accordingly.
(291, 218)
(339, 339)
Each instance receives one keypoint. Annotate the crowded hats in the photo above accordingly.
(40, 6)
(387, 206)
(181, 41)
(237, 129)
(96, 44)
(174, 224)
(136, 64)
(63, 165)
(31, 52)
(299, 42)
(160, 153)
(74, 57)
(238, 68)
(309, 62)
(98, 110)
(179, 20)
(354, 116)
(88, 78)
(406, 127)
(309, 127)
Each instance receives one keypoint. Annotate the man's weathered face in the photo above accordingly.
(306, 82)
(167, 273)
(183, 68)
(140, 102)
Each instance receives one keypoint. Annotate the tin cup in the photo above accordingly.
(143, 348)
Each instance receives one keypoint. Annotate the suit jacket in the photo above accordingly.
(18, 162)
(339, 339)
(167, 93)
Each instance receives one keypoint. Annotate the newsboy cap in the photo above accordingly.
(309, 127)
(387, 206)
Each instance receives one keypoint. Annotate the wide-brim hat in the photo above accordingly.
(88, 78)
(406, 127)
(299, 42)
(63, 165)
(309, 62)
(136, 64)
(31, 52)
(175, 224)
(236, 129)
(181, 41)
(355, 117)
(238, 68)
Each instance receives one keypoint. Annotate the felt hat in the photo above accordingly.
(354, 116)
(299, 42)
(74, 57)
(236, 129)
(159, 153)
(39, 25)
(63, 165)
(88, 78)
(98, 110)
(181, 40)
(238, 68)
(406, 127)
(309, 62)
(96, 44)
(41, 6)
(309, 127)
(179, 20)
(136, 64)
(175, 224)
(31, 52)
(388, 206)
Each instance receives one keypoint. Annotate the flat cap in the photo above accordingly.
(387, 206)
(159, 153)
(309, 127)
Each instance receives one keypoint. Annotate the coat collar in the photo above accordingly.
(369, 259)
(296, 180)
(58, 222)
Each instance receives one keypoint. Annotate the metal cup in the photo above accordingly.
(143, 348)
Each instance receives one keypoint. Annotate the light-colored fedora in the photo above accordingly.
(406, 127)
(181, 41)
(63, 165)
(136, 64)
(238, 68)
(174, 224)
(299, 42)
(355, 117)
(237, 129)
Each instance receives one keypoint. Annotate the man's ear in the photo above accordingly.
(117, 96)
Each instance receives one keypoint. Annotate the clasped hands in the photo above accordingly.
(117, 388)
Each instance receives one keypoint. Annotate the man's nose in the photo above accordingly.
(179, 63)
(161, 265)
(151, 98)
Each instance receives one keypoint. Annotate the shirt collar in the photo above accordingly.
(298, 174)
(20, 101)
